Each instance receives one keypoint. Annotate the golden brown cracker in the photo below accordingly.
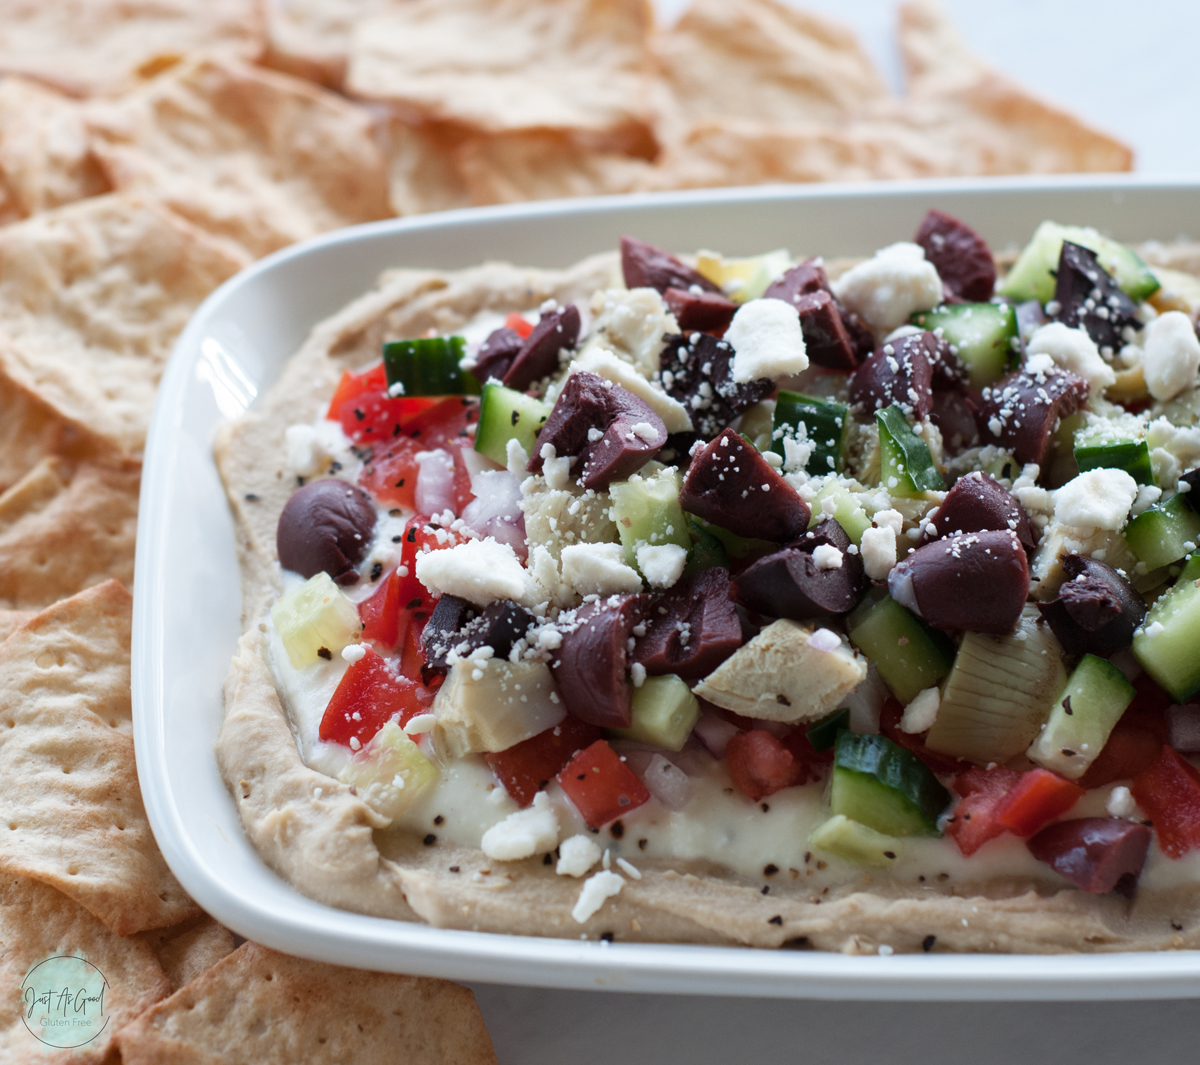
(36, 923)
(311, 38)
(65, 527)
(250, 155)
(105, 47)
(190, 948)
(92, 296)
(423, 170)
(71, 811)
(260, 1007)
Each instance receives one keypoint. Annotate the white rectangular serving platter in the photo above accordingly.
(187, 595)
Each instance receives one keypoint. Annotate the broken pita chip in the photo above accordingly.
(68, 783)
(423, 171)
(190, 948)
(11, 620)
(311, 38)
(92, 296)
(260, 1006)
(37, 923)
(250, 155)
(502, 65)
(66, 527)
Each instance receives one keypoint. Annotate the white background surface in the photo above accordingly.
(1133, 70)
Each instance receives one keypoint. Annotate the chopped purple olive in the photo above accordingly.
(801, 280)
(793, 583)
(496, 354)
(1096, 610)
(704, 312)
(441, 633)
(1022, 410)
(538, 356)
(977, 582)
(907, 371)
(828, 341)
(730, 484)
(631, 434)
(961, 257)
(326, 525)
(954, 415)
(591, 666)
(860, 334)
(691, 629)
(645, 266)
(1097, 854)
(977, 502)
(1088, 298)
(697, 370)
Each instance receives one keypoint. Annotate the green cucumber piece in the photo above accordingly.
(881, 785)
(664, 713)
(909, 655)
(826, 424)
(738, 547)
(1191, 568)
(647, 511)
(707, 551)
(905, 463)
(506, 414)
(1098, 447)
(1093, 701)
(824, 733)
(848, 512)
(982, 334)
(854, 842)
(429, 366)
(1166, 644)
(1032, 275)
(1164, 533)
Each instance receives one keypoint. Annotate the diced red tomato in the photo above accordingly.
(462, 477)
(415, 601)
(367, 698)
(391, 475)
(518, 324)
(1136, 740)
(1169, 791)
(367, 413)
(380, 612)
(982, 791)
(412, 658)
(1035, 800)
(527, 767)
(761, 765)
(601, 786)
(889, 724)
(354, 384)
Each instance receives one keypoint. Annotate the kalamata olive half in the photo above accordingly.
(1089, 298)
(977, 502)
(960, 255)
(706, 312)
(1022, 410)
(907, 371)
(496, 354)
(691, 629)
(1096, 610)
(697, 370)
(538, 356)
(1097, 854)
(645, 266)
(441, 633)
(977, 582)
(326, 525)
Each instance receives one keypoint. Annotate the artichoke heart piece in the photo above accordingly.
(491, 704)
(999, 692)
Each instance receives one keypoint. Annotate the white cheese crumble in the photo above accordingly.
(629, 869)
(353, 652)
(604, 885)
(1170, 356)
(767, 341)
(662, 564)
(598, 569)
(419, 724)
(878, 549)
(921, 713)
(311, 449)
(1097, 499)
(1120, 802)
(1073, 350)
(480, 571)
(576, 856)
(887, 289)
(557, 471)
(826, 556)
(523, 834)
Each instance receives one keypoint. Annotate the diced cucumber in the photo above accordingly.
(982, 334)
(647, 511)
(736, 546)
(905, 463)
(854, 842)
(743, 279)
(506, 414)
(1191, 568)
(391, 772)
(826, 424)
(1096, 448)
(848, 512)
(1164, 533)
(1094, 699)
(1032, 275)
(707, 551)
(824, 733)
(664, 713)
(429, 366)
(1167, 643)
(881, 785)
(910, 656)
(315, 617)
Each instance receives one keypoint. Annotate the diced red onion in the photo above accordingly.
(714, 732)
(865, 703)
(1183, 724)
(1030, 317)
(495, 511)
(435, 482)
(667, 783)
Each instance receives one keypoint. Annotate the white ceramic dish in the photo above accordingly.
(187, 599)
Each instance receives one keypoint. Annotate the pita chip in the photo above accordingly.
(258, 158)
(70, 806)
(423, 171)
(259, 1007)
(190, 948)
(311, 38)
(36, 923)
(105, 47)
(11, 620)
(92, 296)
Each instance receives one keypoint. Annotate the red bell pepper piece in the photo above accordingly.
(368, 696)
(519, 325)
(601, 786)
(380, 612)
(761, 765)
(527, 767)
(1035, 800)
(1169, 791)
(982, 791)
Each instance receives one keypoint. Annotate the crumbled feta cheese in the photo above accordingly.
(354, 652)
(887, 289)
(637, 674)
(878, 551)
(480, 571)
(890, 518)
(557, 471)
(921, 713)
(311, 449)
(661, 564)
(604, 885)
(1073, 350)
(629, 869)
(1097, 499)
(1170, 356)
(523, 834)
(598, 569)
(1148, 495)
(826, 556)
(419, 724)
(644, 431)
(516, 459)
(1120, 802)
(576, 856)
(767, 341)
(825, 640)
